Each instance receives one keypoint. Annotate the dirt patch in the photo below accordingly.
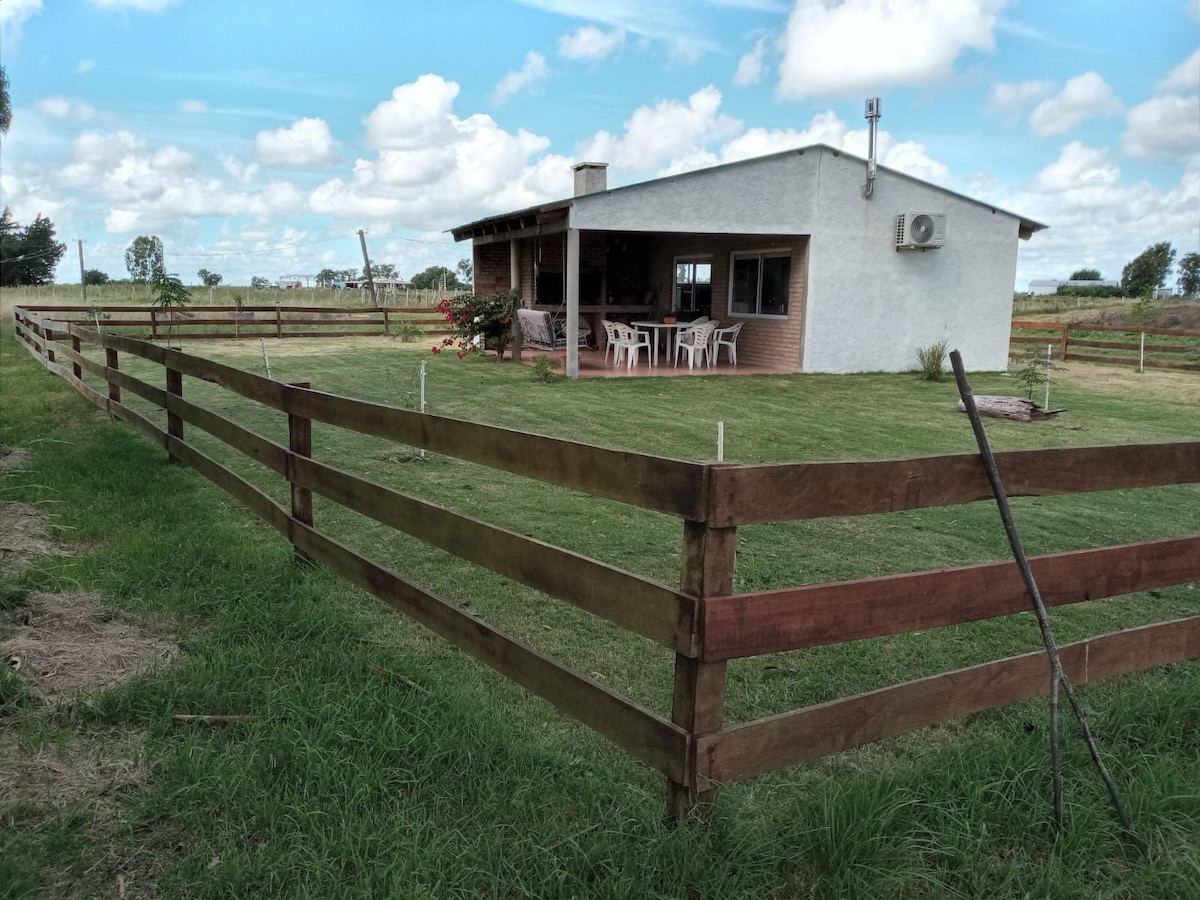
(63, 644)
(22, 535)
(13, 459)
(1161, 384)
(60, 779)
(290, 347)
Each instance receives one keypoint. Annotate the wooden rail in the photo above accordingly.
(702, 621)
(1175, 353)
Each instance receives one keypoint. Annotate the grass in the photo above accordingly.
(354, 784)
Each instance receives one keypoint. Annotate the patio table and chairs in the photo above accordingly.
(727, 338)
(630, 343)
(694, 341)
(669, 329)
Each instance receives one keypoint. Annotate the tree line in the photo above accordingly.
(1144, 274)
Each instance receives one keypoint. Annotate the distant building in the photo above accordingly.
(1051, 285)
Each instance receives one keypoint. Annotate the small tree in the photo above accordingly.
(168, 293)
(258, 283)
(1085, 275)
(1148, 270)
(144, 259)
(472, 317)
(466, 270)
(208, 279)
(95, 277)
(1189, 275)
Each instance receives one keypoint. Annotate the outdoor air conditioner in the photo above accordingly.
(920, 231)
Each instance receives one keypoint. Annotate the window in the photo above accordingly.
(758, 284)
(693, 284)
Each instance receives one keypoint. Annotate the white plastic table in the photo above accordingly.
(671, 329)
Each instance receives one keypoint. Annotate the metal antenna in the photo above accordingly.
(874, 112)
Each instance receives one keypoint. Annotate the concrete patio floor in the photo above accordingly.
(592, 365)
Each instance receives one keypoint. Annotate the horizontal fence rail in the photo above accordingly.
(1152, 354)
(703, 622)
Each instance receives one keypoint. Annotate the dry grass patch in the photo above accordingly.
(22, 535)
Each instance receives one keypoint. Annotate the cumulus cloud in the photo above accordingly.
(668, 130)
(193, 107)
(432, 165)
(13, 16)
(851, 46)
(306, 142)
(1081, 98)
(533, 71)
(84, 66)
(1165, 126)
(589, 42)
(59, 107)
(750, 66)
(1010, 100)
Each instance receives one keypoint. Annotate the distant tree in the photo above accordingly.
(28, 255)
(95, 276)
(378, 270)
(433, 276)
(259, 283)
(1147, 271)
(467, 270)
(144, 258)
(1085, 275)
(1189, 275)
(208, 279)
(326, 277)
(5, 103)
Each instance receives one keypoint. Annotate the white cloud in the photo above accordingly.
(851, 46)
(306, 142)
(1009, 100)
(1082, 97)
(1184, 78)
(59, 107)
(533, 71)
(1077, 172)
(13, 16)
(750, 67)
(151, 6)
(84, 66)
(590, 42)
(193, 107)
(666, 131)
(1163, 127)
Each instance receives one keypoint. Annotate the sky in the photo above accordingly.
(257, 138)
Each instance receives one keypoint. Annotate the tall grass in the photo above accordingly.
(353, 784)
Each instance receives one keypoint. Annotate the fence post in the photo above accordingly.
(1063, 340)
(50, 345)
(278, 321)
(110, 361)
(174, 421)
(77, 346)
(385, 320)
(300, 443)
(698, 703)
(154, 325)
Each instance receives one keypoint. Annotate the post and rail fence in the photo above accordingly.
(702, 621)
(1152, 354)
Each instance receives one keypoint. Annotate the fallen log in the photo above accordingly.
(1016, 408)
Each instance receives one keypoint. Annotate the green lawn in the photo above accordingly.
(354, 784)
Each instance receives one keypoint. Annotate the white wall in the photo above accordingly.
(870, 306)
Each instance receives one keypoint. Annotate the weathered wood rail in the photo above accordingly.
(1129, 338)
(702, 621)
(249, 322)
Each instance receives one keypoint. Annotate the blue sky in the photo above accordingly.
(257, 137)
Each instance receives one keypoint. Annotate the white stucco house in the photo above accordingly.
(824, 278)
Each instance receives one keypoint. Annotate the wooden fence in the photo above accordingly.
(701, 621)
(1152, 354)
(238, 322)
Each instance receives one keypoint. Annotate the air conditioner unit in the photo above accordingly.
(920, 231)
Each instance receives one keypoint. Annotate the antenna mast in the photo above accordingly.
(874, 112)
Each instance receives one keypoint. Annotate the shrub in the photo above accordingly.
(930, 360)
(543, 368)
(472, 316)
(407, 332)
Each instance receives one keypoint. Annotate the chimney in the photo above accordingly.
(590, 177)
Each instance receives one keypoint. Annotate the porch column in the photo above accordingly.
(572, 302)
(514, 281)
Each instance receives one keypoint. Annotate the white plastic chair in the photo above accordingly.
(724, 337)
(694, 341)
(610, 329)
(630, 342)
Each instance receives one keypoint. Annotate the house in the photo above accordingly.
(827, 275)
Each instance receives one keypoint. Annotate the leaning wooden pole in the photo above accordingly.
(1057, 674)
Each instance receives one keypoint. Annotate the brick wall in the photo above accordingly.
(491, 269)
(768, 342)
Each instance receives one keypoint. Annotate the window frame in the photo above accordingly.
(760, 255)
(692, 259)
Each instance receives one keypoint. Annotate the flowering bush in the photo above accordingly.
(471, 317)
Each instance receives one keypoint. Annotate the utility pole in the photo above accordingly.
(82, 275)
(367, 267)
